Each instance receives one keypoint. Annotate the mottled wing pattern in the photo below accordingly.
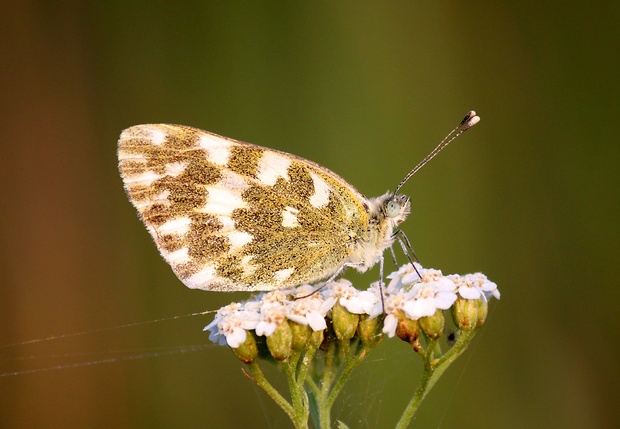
(228, 215)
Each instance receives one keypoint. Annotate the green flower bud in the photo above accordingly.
(408, 330)
(280, 342)
(483, 310)
(316, 339)
(433, 325)
(465, 313)
(248, 351)
(369, 330)
(301, 335)
(344, 322)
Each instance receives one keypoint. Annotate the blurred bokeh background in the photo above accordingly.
(529, 197)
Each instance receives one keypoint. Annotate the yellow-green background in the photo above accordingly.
(529, 196)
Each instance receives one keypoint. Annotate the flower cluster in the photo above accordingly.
(412, 302)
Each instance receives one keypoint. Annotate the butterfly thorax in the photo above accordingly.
(385, 214)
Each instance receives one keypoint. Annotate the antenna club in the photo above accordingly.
(467, 117)
(471, 122)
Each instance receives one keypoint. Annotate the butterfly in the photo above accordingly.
(233, 216)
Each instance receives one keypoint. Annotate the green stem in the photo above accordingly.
(306, 362)
(299, 398)
(433, 369)
(351, 363)
(334, 378)
(324, 412)
(312, 386)
(262, 382)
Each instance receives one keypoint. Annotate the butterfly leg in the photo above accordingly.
(393, 256)
(402, 239)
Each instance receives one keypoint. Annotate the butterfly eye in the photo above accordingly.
(393, 207)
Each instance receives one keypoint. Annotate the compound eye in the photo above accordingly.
(393, 208)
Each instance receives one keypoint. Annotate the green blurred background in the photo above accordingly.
(528, 197)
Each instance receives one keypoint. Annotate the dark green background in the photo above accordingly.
(529, 196)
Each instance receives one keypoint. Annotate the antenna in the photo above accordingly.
(469, 121)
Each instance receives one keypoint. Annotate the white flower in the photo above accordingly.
(371, 300)
(404, 277)
(272, 314)
(233, 332)
(223, 312)
(393, 306)
(430, 275)
(389, 325)
(475, 286)
(341, 288)
(487, 286)
(360, 303)
(310, 310)
(274, 297)
(231, 324)
(426, 298)
(355, 301)
(305, 291)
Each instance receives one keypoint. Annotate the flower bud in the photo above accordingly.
(408, 330)
(248, 350)
(316, 339)
(280, 342)
(483, 310)
(344, 322)
(433, 325)
(301, 335)
(465, 313)
(369, 330)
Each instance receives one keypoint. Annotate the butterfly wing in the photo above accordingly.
(229, 215)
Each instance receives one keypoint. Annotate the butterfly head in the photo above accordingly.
(396, 208)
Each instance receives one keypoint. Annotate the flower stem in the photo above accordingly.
(299, 397)
(333, 378)
(350, 364)
(320, 398)
(433, 369)
(262, 382)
